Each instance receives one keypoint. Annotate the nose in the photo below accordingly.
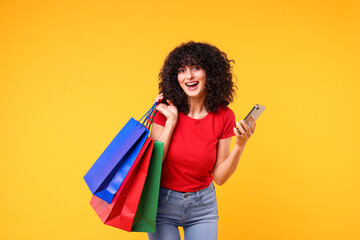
(189, 73)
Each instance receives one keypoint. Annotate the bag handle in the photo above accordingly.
(149, 117)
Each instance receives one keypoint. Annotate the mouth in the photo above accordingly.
(192, 85)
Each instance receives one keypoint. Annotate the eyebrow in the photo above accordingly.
(193, 65)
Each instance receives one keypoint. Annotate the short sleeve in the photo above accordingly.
(228, 117)
(159, 118)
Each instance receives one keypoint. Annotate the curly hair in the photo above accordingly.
(219, 87)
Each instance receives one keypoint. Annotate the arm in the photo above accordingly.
(164, 134)
(227, 161)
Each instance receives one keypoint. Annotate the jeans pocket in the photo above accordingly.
(208, 198)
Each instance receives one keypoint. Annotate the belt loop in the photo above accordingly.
(167, 194)
(198, 194)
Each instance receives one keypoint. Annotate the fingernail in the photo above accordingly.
(241, 120)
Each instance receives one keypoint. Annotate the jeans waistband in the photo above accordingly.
(186, 194)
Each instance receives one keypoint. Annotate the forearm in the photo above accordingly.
(226, 168)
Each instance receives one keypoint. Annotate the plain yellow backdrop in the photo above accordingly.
(73, 72)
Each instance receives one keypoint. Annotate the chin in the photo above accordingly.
(194, 95)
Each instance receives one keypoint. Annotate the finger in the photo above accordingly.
(158, 98)
(240, 128)
(170, 102)
(162, 109)
(159, 107)
(253, 125)
(246, 127)
(236, 132)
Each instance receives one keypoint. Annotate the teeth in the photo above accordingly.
(192, 84)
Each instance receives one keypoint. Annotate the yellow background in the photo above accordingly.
(73, 72)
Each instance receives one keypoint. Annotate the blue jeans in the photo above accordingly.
(196, 212)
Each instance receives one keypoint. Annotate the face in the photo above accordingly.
(192, 80)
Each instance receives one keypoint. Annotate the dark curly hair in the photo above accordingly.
(219, 87)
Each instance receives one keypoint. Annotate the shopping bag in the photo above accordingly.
(108, 192)
(145, 218)
(106, 175)
(121, 211)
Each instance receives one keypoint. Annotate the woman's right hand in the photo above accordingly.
(169, 111)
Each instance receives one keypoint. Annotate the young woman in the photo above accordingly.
(196, 127)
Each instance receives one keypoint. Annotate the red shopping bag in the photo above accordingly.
(121, 211)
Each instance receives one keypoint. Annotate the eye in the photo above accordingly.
(197, 68)
(181, 70)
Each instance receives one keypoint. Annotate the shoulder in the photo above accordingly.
(225, 122)
(225, 112)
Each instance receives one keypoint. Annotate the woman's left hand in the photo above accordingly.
(242, 136)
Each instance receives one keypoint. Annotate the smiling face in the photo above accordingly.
(192, 80)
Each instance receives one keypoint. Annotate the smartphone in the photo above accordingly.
(256, 111)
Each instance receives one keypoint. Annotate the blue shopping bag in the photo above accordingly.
(108, 172)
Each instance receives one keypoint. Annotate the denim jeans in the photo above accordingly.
(196, 212)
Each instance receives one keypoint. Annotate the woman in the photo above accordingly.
(196, 127)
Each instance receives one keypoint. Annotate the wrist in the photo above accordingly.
(238, 148)
(170, 122)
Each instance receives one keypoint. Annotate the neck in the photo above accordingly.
(197, 108)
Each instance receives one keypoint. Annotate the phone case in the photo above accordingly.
(256, 112)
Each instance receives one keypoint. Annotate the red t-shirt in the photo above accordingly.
(191, 156)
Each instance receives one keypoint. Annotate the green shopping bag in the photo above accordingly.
(145, 218)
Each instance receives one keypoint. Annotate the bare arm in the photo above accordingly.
(227, 160)
(164, 134)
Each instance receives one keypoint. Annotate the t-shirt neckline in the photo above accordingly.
(197, 120)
